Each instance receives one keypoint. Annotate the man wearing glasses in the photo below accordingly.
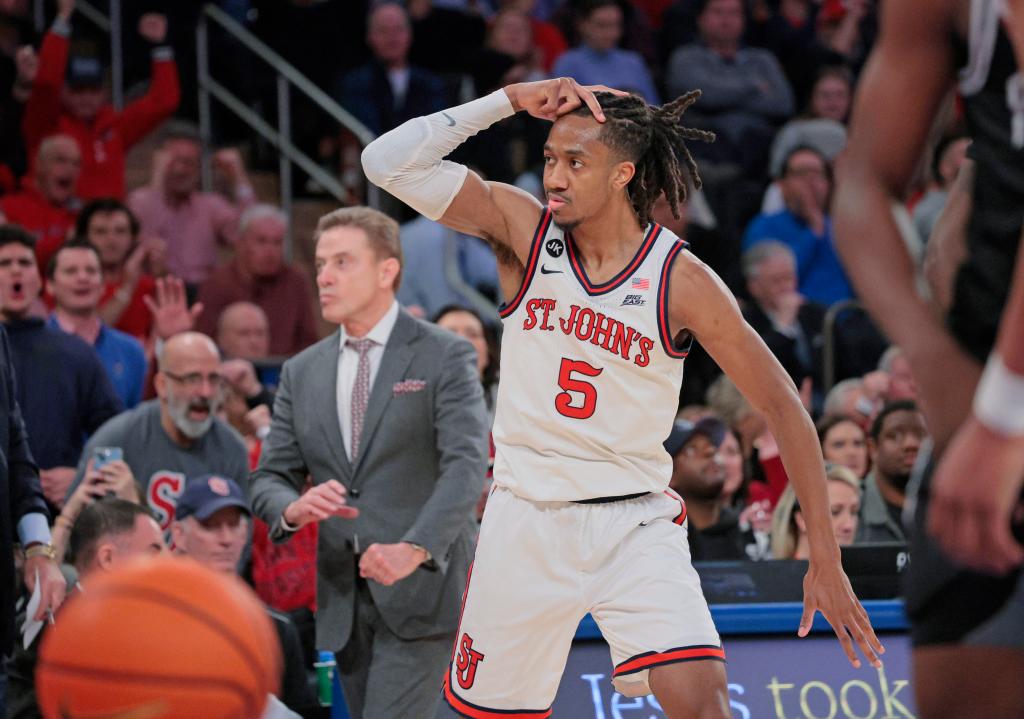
(178, 435)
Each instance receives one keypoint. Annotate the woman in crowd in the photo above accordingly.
(789, 532)
(467, 323)
(843, 442)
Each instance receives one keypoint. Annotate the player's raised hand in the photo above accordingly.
(550, 99)
(318, 503)
(827, 590)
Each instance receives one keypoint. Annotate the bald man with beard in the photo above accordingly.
(177, 435)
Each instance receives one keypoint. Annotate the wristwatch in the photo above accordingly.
(40, 549)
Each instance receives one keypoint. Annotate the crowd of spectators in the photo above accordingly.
(152, 318)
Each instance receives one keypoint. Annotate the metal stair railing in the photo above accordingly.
(281, 135)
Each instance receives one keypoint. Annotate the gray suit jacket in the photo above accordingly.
(417, 478)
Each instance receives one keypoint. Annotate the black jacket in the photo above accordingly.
(20, 491)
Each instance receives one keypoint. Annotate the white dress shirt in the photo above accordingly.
(348, 364)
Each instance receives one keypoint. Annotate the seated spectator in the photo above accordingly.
(895, 439)
(107, 534)
(69, 97)
(598, 60)
(698, 475)
(789, 531)
(896, 367)
(386, 91)
(211, 526)
(178, 435)
(113, 478)
(243, 331)
(510, 55)
(47, 208)
(745, 94)
(792, 32)
(822, 127)
(789, 324)
(259, 274)
(62, 387)
(74, 280)
(468, 324)
(446, 39)
(859, 399)
(805, 227)
(128, 264)
(947, 159)
(546, 36)
(843, 442)
(446, 267)
(192, 222)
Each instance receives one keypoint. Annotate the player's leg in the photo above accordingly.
(522, 606)
(648, 603)
(968, 681)
(967, 627)
(691, 690)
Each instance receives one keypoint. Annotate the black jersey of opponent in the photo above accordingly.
(983, 281)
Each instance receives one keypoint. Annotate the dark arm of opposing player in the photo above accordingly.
(908, 75)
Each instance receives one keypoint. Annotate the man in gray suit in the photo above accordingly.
(387, 415)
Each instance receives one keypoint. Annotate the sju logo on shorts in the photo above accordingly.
(466, 662)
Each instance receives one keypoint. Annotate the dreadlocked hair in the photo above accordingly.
(653, 138)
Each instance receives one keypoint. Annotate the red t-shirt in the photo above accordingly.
(284, 575)
(47, 223)
(136, 319)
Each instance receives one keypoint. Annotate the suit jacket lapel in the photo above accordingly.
(397, 356)
(329, 405)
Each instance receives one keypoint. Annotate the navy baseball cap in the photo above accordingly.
(84, 71)
(682, 432)
(209, 494)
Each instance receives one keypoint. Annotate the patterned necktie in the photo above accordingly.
(360, 389)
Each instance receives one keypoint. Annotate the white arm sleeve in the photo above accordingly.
(408, 161)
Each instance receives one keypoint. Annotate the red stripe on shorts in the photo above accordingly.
(681, 517)
(681, 654)
(477, 712)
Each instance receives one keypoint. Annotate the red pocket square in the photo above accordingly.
(408, 385)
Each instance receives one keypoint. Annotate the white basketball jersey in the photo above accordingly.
(589, 375)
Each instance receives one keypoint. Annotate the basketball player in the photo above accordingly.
(602, 307)
(968, 626)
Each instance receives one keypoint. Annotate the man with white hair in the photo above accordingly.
(47, 207)
(178, 435)
(259, 274)
(788, 323)
(896, 367)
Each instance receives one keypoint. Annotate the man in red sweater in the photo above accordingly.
(47, 206)
(75, 103)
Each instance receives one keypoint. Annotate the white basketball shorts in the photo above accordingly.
(541, 566)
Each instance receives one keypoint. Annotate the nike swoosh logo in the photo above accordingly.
(545, 271)
(644, 524)
(451, 120)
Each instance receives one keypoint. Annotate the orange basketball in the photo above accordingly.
(159, 638)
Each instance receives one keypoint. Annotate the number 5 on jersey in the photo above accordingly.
(563, 400)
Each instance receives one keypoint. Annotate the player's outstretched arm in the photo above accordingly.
(700, 303)
(910, 71)
(409, 162)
